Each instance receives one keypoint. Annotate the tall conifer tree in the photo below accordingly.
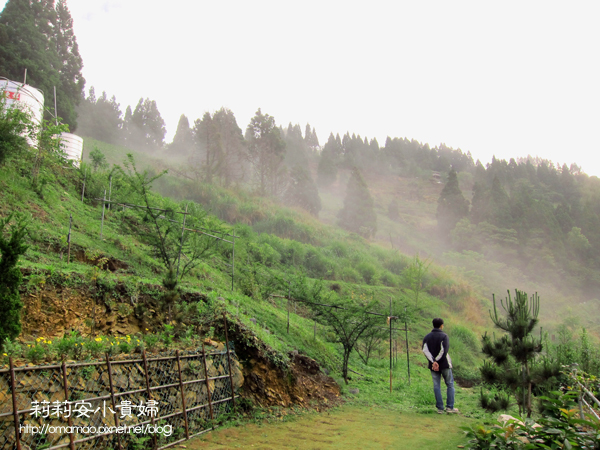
(183, 141)
(37, 36)
(266, 150)
(452, 205)
(358, 214)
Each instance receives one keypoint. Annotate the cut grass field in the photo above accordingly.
(343, 428)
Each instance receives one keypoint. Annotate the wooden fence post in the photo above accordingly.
(210, 408)
(70, 420)
(185, 417)
(229, 362)
(112, 395)
(13, 389)
(149, 393)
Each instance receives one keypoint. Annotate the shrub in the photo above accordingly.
(11, 278)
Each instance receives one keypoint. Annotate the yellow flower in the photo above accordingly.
(49, 342)
(5, 354)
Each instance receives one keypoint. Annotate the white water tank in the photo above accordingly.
(26, 98)
(72, 145)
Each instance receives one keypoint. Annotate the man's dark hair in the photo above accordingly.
(437, 322)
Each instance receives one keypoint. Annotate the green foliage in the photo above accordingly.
(11, 248)
(358, 214)
(219, 151)
(266, 150)
(514, 354)
(328, 163)
(559, 428)
(575, 349)
(183, 141)
(414, 275)
(39, 35)
(348, 320)
(15, 124)
(144, 128)
(100, 118)
(370, 341)
(98, 159)
(494, 401)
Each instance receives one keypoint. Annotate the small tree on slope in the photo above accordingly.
(514, 354)
(10, 279)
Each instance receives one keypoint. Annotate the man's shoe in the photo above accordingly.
(452, 410)
(440, 411)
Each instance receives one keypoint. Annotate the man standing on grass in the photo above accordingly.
(435, 347)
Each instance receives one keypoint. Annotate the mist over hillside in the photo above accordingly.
(528, 223)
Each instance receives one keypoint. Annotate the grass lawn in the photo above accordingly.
(346, 427)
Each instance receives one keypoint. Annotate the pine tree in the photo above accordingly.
(183, 141)
(70, 65)
(100, 118)
(311, 139)
(144, 128)
(479, 203)
(296, 148)
(452, 205)
(358, 214)
(36, 36)
(233, 148)
(207, 142)
(266, 150)
(127, 134)
(499, 205)
(328, 163)
(513, 355)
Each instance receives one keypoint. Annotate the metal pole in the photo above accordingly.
(14, 402)
(315, 333)
(233, 260)
(181, 243)
(185, 417)
(109, 189)
(103, 206)
(229, 361)
(25, 77)
(83, 188)
(407, 354)
(69, 239)
(55, 113)
(288, 306)
(390, 345)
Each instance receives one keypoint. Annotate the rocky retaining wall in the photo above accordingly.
(167, 393)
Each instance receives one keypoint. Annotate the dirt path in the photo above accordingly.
(344, 428)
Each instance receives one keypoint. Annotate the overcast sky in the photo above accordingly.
(505, 78)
